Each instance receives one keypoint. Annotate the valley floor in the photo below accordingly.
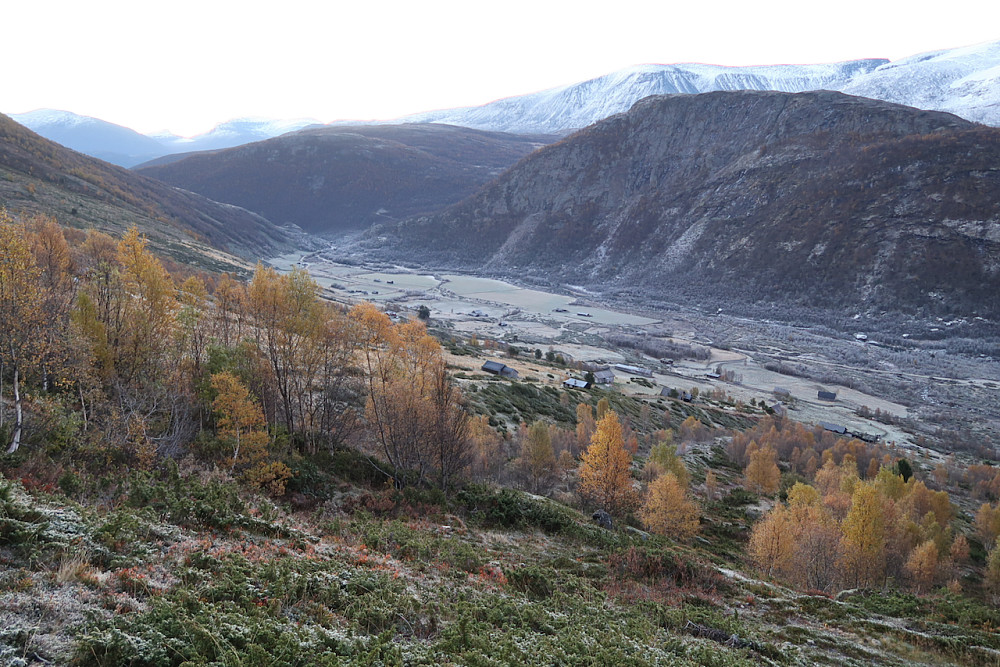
(905, 386)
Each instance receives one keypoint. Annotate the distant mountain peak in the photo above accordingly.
(964, 81)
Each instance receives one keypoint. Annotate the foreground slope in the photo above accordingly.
(342, 178)
(39, 176)
(184, 572)
(817, 200)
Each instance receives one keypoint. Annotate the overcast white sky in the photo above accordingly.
(186, 65)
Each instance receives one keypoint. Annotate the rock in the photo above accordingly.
(641, 534)
(603, 519)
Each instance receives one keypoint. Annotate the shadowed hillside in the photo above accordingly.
(343, 178)
(744, 199)
(37, 175)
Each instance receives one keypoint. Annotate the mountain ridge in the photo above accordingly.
(41, 176)
(332, 179)
(808, 199)
(963, 80)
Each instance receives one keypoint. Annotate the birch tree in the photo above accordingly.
(20, 314)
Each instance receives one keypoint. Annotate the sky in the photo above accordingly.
(187, 65)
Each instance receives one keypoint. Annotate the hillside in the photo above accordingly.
(97, 138)
(264, 477)
(37, 175)
(741, 200)
(346, 178)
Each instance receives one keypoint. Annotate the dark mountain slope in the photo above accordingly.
(815, 199)
(342, 178)
(37, 175)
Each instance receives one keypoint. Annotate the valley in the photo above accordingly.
(919, 390)
(712, 381)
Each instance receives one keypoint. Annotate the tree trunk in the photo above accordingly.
(83, 406)
(15, 441)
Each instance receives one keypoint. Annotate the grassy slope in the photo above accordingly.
(166, 569)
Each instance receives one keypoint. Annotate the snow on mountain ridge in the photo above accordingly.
(52, 117)
(964, 81)
(577, 105)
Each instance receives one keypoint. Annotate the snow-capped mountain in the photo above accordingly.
(92, 136)
(964, 81)
(127, 148)
(234, 133)
(580, 104)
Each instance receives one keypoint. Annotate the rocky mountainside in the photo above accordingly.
(40, 176)
(741, 199)
(964, 81)
(342, 178)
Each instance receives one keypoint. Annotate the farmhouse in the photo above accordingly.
(835, 428)
(634, 370)
(781, 392)
(683, 395)
(606, 376)
(573, 383)
(496, 368)
(826, 395)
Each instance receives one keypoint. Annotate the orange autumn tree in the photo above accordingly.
(241, 424)
(413, 409)
(863, 545)
(605, 473)
(762, 473)
(668, 511)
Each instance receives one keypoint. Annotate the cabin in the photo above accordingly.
(573, 383)
(683, 395)
(713, 376)
(781, 392)
(606, 376)
(835, 428)
(826, 395)
(496, 368)
(634, 370)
